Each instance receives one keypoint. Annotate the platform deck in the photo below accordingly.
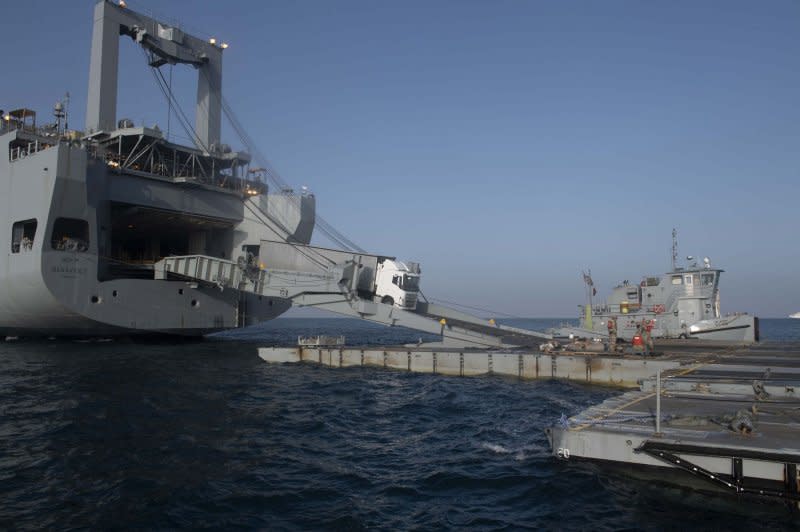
(734, 423)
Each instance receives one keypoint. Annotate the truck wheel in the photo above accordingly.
(683, 337)
(387, 300)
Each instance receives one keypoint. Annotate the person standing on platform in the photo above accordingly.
(647, 331)
(612, 334)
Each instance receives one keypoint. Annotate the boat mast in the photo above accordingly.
(674, 248)
(590, 291)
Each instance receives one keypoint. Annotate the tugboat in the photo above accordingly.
(682, 303)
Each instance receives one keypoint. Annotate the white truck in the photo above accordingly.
(397, 283)
(380, 278)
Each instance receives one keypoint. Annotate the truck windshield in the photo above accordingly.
(410, 283)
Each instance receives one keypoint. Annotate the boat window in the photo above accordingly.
(22, 235)
(410, 283)
(708, 279)
(677, 279)
(70, 234)
(688, 279)
(251, 250)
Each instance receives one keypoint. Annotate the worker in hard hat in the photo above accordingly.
(612, 334)
(647, 329)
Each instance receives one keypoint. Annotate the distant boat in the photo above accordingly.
(796, 315)
(682, 303)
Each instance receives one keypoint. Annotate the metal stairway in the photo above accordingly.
(335, 291)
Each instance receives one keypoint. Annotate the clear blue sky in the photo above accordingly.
(505, 145)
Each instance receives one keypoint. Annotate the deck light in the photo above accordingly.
(122, 4)
(224, 45)
(212, 40)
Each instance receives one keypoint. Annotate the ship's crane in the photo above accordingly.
(166, 45)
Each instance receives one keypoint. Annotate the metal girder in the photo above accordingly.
(669, 453)
(170, 45)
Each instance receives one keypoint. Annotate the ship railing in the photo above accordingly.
(13, 125)
(21, 151)
(50, 131)
(221, 180)
(629, 308)
(70, 244)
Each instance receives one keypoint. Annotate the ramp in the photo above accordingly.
(338, 288)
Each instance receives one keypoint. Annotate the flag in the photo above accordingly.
(587, 278)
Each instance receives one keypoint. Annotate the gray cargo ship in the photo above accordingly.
(118, 230)
(682, 303)
(87, 214)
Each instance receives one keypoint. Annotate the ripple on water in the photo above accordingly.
(206, 435)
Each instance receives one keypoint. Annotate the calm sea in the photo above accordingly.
(206, 435)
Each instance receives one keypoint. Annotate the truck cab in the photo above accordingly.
(397, 283)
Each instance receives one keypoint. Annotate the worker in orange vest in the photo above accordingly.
(647, 328)
(612, 334)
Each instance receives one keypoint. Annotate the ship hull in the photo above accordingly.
(98, 287)
(741, 328)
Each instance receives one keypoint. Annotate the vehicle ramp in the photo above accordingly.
(336, 290)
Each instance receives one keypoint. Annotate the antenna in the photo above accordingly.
(61, 112)
(674, 248)
(66, 111)
(58, 112)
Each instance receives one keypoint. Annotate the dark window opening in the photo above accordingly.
(22, 235)
(114, 293)
(251, 255)
(251, 249)
(70, 234)
(180, 291)
(136, 237)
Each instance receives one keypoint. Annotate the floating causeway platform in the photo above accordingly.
(730, 424)
(727, 418)
(590, 368)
